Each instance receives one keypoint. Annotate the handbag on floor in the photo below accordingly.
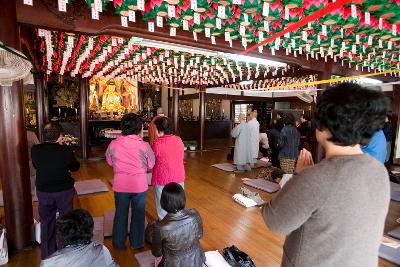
(237, 258)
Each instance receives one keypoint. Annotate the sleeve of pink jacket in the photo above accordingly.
(150, 157)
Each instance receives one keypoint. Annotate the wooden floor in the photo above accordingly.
(210, 191)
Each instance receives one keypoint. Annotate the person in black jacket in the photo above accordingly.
(388, 132)
(54, 184)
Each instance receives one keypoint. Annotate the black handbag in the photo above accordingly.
(237, 258)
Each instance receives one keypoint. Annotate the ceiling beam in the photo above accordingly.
(45, 14)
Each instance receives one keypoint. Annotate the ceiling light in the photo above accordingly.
(258, 60)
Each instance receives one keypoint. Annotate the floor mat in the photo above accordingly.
(263, 185)
(145, 259)
(228, 167)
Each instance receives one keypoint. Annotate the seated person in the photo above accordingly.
(74, 233)
(177, 237)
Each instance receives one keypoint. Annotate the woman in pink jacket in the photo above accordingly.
(169, 152)
(130, 157)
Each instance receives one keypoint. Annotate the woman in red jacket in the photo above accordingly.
(169, 153)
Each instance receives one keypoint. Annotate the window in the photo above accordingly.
(240, 108)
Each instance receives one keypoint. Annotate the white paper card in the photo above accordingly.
(213, 40)
(195, 36)
(218, 23)
(260, 36)
(286, 13)
(354, 11)
(132, 16)
(185, 25)
(304, 35)
(150, 26)
(265, 9)
(95, 14)
(98, 5)
(221, 12)
(159, 21)
(124, 21)
(242, 30)
(370, 40)
(394, 29)
(196, 18)
(266, 26)
(193, 4)
(227, 36)
(62, 5)
(140, 5)
(367, 17)
(237, 2)
(28, 2)
(324, 31)
(207, 32)
(171, 11)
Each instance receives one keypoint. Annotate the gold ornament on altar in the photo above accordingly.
(112, 100)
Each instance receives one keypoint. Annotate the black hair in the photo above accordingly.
(52, 132)
(131, 124)
(173, 198)
(164, 124)
(351, 113)
(74, 228)
(288, 119)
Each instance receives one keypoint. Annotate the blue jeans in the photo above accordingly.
(157, 197)
(120, 226)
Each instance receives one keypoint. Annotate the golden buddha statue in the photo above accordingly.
(93, 97)
(112, 100)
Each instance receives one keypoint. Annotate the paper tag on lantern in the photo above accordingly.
(207, 32)
(221, 12)
(242, 30)
(332, 42)
(237, 2)
(124, 21)
(62, 5)
(196, 18)
(384, 54)
(159, 21)
(260, 49)
(245, 17)
(308, 47)
(260, 36)
(193, 4)
(318, 39)
(132, 16)
(140, 5)
(353, 11)
(195, 36)
(304, 35)
(185, 25)
(286, 13)
(41, 32)
(380, 43)
(363, 48)
(272, 51)
(277, 43)
(28, 2)
(354, 49)
(266, 26)
(293, 43)
(370, 40)
(357, 39)
(213, 40)
(95, 14)
(266, 9)
(321, 51)
(218, 23)
(390, 43)
(98, 5)
(120, 40)
(230, 43)
(324, 30)
(309, 25)
(109, 49)
(300, 50)
(171, 11)
(287, 35)
(244, 42)
(114, 42)
(341, 53)
(380, 24)
(367, 18)
(312, 54)
(227, 36)
(151, 26)
(330, 51)
(394, 29)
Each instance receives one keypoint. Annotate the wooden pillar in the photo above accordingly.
(83, 116)
(202, 116)
(395, 122)
(39, 96)
(175, 109)
(14, 167)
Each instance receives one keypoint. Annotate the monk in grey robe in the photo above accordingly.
(242, 155)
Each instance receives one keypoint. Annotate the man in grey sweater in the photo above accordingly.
(333, 213)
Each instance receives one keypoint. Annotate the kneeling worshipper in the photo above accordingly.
(74, 235)
(242, 156)
(322, 210)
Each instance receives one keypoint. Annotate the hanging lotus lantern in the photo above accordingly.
(185, 12)
(389, 13)
(250, 6)
(373, 5)
(208, 20)
(122, 8)
(174, 23)
(292, 3)
(294, 16)
(349, 21)
(202, 6)
(275, 10)
(90, 4)
(311, 6)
